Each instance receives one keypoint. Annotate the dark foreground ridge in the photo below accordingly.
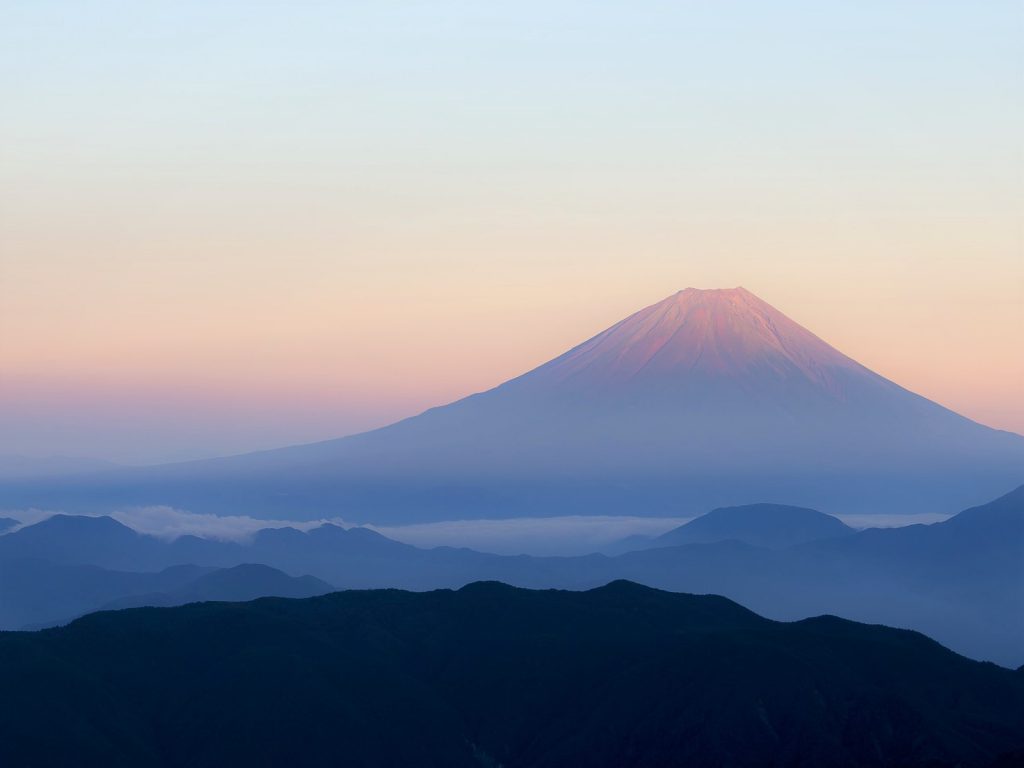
(492, 675)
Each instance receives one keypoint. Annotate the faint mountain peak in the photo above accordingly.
(249, 581)
(93, 524)
(1007, 510)
(239, 583)
(762, 525)
(78, 540)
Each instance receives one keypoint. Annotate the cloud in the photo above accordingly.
(26, 517)
(170, 523)
(891, 521)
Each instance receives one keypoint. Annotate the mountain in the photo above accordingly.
(77, 540)
(238, 584)
(763, 525)
(970, 567)
(36, 593)
(350, 558)
(708, 398)
(960, 581)
(492, 675)
(105, 542)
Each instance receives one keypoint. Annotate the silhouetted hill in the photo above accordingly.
(1005, 515)
(763, 525)
(237, 584)
(491, 675)
(77, 540)
(979, 552)
(103, 541)
(36, 593)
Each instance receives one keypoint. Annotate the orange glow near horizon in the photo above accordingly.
(215, 237)
(321, 368)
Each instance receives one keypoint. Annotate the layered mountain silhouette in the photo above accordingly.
(959, 581)
(708, 398)
(491, 675)
(35, 593)
(248, 581)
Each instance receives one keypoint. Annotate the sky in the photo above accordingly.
(228, 226)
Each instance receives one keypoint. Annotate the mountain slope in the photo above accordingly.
(491, 675)
(76, 540)
(705, 399)
(762, 525)
(37, 593)
(960, 581)
(237, 584)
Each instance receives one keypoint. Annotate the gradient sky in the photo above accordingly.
(227, 226)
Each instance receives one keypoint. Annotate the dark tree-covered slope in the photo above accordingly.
(492, 675)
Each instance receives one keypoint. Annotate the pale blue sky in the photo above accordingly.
(348, 211)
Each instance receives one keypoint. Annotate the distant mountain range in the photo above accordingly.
(616, 677)
(708, 398)
(960, 581)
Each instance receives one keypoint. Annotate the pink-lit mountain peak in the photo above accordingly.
(714, 333)
(705, 399)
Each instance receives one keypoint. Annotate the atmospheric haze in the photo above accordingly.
(707, 398)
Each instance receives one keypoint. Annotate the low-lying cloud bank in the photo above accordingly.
(169, 523)
(567, 535)
(576, 534)
(892, 521)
